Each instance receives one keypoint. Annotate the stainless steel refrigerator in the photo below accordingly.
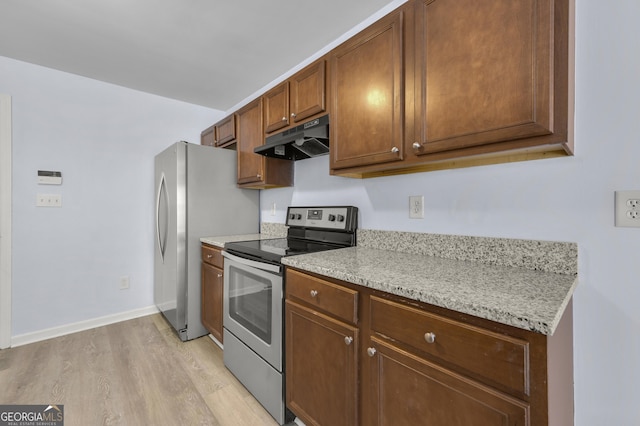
(196, 196)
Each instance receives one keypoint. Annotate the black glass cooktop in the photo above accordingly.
(274, 249)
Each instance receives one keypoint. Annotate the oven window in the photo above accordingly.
(250, 302)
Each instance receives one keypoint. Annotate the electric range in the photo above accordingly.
(253, 313)
(311, 229)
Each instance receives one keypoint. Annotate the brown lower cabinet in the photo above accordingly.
(212, 288)
(356, 356)
(323, 387)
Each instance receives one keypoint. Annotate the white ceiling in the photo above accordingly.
(208, 52)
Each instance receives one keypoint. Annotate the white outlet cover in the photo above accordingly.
(416, 206)
(624, 213)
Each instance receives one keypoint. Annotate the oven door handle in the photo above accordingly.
(252, 263)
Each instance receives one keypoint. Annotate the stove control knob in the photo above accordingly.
(292, 216)
(298, 216)
(340, 218)
(332, 218)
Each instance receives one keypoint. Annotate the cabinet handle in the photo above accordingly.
(371, 351)
(284, 118)
(209, 256)
(348, 340)
(293, 114)
(219, 275)
(395, 150)
(430, 337)
(417, 145)
(313, 293)
(259, 176)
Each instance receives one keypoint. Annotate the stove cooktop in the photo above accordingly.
(275, 249)
(311, 229)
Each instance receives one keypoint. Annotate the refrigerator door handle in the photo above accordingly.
(162, 236)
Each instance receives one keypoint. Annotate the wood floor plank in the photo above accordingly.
(136, 372)
(231, 409)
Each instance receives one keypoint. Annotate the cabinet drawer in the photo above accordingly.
(500, 360)
(339, 301)
(212, 256)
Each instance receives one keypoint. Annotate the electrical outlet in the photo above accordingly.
(416, 207)
(124, 282)
(627, 209)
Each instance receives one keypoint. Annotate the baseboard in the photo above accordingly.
(216, 341)
(49, 333)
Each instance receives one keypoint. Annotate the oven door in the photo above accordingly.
(253, 305)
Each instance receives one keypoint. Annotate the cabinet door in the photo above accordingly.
(250, 135)
(212, 286)
(307, 92)
(406, 389)
(321, 367)
(226, 130)
(367, 85)
(208, 136)
(276, 108)
(484, 72)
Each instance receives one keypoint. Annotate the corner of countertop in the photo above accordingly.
(267, 230)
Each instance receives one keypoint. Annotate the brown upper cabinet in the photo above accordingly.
(222, 134)
(225, 131)
(367, 101)
(479, 83)
(254, 170)
(300, 97)
(208, 136)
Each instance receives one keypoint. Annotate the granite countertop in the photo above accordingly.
(521, 283)
(218, 241)
(267, 231)
(521, 297)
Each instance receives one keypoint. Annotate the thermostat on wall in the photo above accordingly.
(49, 178)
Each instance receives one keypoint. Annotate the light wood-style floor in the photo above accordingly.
(135, 372)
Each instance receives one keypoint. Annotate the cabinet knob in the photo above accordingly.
(430, 337)
(219, 275)
(416, 145)
(259, 176)
(284, 118)
(209, 256)
(348, 340)
(313, 293)
(371, 351)
(293, 115)
(395, 150)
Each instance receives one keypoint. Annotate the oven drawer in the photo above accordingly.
(339, 301)
(212, 256)
(499, 358)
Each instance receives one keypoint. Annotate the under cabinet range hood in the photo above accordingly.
(307, 140)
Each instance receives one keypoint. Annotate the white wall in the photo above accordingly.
(67, 261)
(565, 199)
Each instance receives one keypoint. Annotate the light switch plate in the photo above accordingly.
(48, 200)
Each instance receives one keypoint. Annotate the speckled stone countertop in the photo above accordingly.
(522, 283)
(267, 231)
